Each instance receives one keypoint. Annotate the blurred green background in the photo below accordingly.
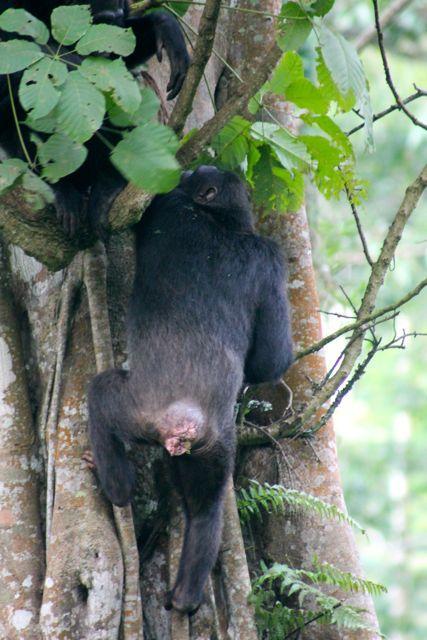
(382, 425)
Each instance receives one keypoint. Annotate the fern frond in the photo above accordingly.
(274, 499)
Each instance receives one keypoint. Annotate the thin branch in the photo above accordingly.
(420, 93)
(386, 17)
(359, 227)
(372, 320)
(388, 77)
(376, 279)
(191, 149)
(202, 52)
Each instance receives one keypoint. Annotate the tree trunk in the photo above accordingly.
(89, 577)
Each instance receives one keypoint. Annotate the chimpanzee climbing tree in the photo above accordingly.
(70, 565)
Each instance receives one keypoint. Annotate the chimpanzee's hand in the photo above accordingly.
(169, 36)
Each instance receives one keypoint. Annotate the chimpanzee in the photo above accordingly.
(154, 32)
(208, 313)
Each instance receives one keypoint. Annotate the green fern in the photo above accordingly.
(280, 621)
(275, 498)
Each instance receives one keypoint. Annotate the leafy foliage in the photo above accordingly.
(275, 160)
(67, 98)
(287, 599)
(281, 582)
(275, 498)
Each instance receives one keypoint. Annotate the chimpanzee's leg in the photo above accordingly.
(106, 187)
(110, 419)
(202, 481)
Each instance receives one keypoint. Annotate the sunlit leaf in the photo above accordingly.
(113, 76)
(69, 24)
(38, 91)
(22, 22)
(230, 144)
(107, 38)
(291, 153)
(60, 156)
(81, 108)
(306, 95)
(146, 157)
(16, 55)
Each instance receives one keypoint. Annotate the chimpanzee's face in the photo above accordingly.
(215, 190)
(110, 11)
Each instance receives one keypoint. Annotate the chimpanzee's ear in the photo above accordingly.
(206, 195)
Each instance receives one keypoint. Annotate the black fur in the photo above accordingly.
(208, 312)
(97, 177)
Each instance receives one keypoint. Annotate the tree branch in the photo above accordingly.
(359, 227)
(202, 52)
(420, 93)
(195, 145)
(388, 77)
(376, 279)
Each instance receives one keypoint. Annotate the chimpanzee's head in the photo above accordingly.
(109, 11)
(222, 193)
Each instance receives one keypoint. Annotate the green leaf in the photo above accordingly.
(147, 110)
(179, 7)
(10, 170)
(328, 87)
(306, 95)
(113, 76)
(47, 124)
(295, 29)
(16, 55)
(290, 152)
(69, 24)
(81, 108)
(38, 87)
(289, 70)
(230, 144)
(22, 22)
(146, 157)
(321, 7)
(292, 10)
(342, 61)
(60, 156)
(330, 127)
(275, 190)
(108, 38)
(293, 34)
(347, 72)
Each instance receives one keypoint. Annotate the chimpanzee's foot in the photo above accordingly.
(119, 481)
(184, 603)
(88, 458)
(68, 205)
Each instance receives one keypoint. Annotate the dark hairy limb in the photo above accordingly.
(203, 507)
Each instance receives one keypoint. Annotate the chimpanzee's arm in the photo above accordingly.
(154, 32)
(270, 353)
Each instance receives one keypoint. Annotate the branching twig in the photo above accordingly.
(191, 149)
(388, 77)
(361, 322)
(359, 227)
(376, 279)
(420, 93)
(202, 52)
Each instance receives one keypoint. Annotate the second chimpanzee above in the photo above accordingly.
(208, 313)
(96, 178)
